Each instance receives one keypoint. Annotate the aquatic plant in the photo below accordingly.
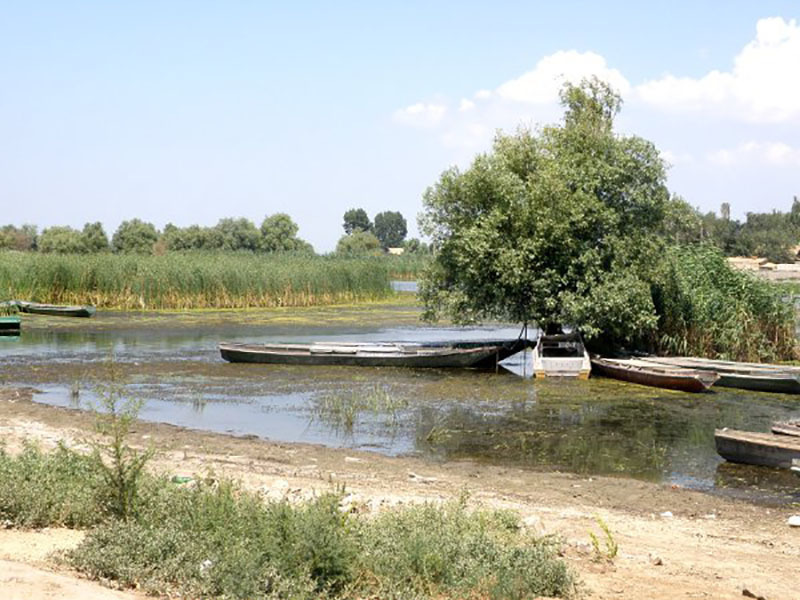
(192, 279)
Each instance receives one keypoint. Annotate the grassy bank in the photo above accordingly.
(209, 539)
(192, 280)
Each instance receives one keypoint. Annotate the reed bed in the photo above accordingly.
(192, 280)
(407, 267)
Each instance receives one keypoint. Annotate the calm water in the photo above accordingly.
(595, 427)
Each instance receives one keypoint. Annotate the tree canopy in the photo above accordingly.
(358, 242)
(553, 226)
(135, 236)
(356, 219)
(279, 234)
(390, 228)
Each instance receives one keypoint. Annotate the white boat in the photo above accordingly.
(561, 355)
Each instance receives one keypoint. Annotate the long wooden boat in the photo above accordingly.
(56, 310)
(759, 378)
(752, 448)
(791, 428)
(671, 378)
(354, 354)
(10, 325)
(562, 355)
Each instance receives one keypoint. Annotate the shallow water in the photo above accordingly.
(599, 426)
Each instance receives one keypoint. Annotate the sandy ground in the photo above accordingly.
(709, 547)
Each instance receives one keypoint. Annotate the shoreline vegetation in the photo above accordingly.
(196, 280)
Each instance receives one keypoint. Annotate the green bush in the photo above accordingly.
(42, 489)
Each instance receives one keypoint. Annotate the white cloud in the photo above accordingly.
(542, 84)
(676, 158)
(466, 105)
(421, 114)
(766, 153)
(762, 86)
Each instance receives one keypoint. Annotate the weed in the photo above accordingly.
(606, 551)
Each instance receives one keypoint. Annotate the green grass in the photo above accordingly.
(192, 280)
(212, 539)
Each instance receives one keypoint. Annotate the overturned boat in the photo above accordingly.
(473, 354)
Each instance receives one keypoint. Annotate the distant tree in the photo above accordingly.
(358, 242)
(62, 240)
(682, 224)
(415, 246)
(18, 238)
(134, 236)
(390, 228)
(236, 234)
(725, 211)
(94, 237)
(356, 219)
(279, 234)
(770, 235)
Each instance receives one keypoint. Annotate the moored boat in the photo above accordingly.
(672, 378)
(753, 448)
(9, 325)
(561, 355)
(748, 376)
(791, 428)
(35, 308)
(364, 355)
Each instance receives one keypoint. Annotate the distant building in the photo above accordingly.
(396, 251)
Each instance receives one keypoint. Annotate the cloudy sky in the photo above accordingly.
(187, 112)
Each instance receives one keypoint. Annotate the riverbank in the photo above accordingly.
(710, 547)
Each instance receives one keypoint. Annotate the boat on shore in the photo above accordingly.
(55, 310)
(791, 428)
(747, 376)
(754, 448)
(363, 354)
(10, 325)
(643, 373)
(561, 355)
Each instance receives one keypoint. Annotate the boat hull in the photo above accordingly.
(751, 448)
(10, 325)
(791, 428)
(361, 356)
(54, 310)
(562, 355)
(689, 381)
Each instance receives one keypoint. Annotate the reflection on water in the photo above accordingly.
(598, 426)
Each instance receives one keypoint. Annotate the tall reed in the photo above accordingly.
(191, 280)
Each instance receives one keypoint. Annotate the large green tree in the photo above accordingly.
(135, 236)
(390, 228)
(94, 237)
(560, 225)
(279, 234)
(358, 242)
(62, 240)
(356, 219)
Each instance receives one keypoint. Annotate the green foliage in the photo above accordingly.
(707, 308)
(134, 236)
(608, 549)
(62, 240)
(121, 465)
(279, 234)
(415, 246)
(95, 238)
(59, 488)
(390, 228)
(18, 238)
(219, 541)
(235, 234)
(193, 280)
(358, 243)
(550, 222)
(356, 219)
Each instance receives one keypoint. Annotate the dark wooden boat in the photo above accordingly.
(671, 378)
(747, 376)
(561, 355)
(9, 325)
(752, 448)
(791, 428)
(363, 355)
(55, 310)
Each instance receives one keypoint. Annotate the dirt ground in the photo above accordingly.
(673, 543)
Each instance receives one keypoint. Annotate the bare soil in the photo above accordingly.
(673, 543)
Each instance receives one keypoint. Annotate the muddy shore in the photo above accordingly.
(710, 547)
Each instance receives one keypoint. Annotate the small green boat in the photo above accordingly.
(54, 310)
(9, 325)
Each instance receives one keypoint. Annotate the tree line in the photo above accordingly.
(772, 235)
(389, 230)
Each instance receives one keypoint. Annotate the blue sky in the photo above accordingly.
(188, 112)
